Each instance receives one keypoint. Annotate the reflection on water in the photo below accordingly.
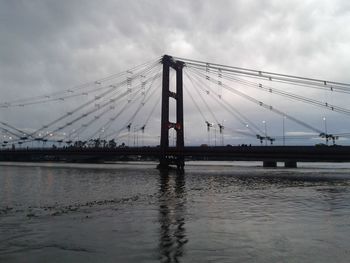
(172, 206)
(134, 213)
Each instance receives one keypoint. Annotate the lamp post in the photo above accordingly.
(214, 135)
(325, 129)
(221, 129)
(264, 122)
(284, 137)
(134, 136)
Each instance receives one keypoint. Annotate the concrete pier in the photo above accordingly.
(290, 164)
(270, 164)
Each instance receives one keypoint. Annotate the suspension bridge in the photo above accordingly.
(226, 113)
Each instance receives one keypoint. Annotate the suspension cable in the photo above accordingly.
(122, 110)
(262, 104)
(20, 102)
(105, 93)
(131, 119)
(268, 75)
(240, 117)
(260, 86)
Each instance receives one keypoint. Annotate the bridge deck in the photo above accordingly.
(241, 153)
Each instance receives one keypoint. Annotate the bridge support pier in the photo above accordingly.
(290, 164)
(174, 155)
(269, 164)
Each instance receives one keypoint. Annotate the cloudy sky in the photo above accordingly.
(49, 45)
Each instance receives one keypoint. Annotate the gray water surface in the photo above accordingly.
(237, 212)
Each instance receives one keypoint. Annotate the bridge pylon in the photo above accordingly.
(172, 155)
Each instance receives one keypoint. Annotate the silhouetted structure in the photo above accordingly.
(176, 157)
(100, 145)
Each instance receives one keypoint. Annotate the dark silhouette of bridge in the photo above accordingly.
(290, 155)
(204, 79)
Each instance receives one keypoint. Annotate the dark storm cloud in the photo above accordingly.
(53, 45)
(47, 36)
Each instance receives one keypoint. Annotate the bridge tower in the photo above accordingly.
(170, 155)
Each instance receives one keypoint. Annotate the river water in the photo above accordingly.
(215, 212)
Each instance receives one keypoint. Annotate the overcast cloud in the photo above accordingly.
(48, 45)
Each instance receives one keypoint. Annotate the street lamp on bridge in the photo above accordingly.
(325, 129)
(284, 134)
(265, 126)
